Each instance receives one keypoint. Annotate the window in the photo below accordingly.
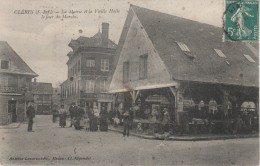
(79, 66)
(12, 81)
(104, 65)
(220, 53)
(4, 64)
(102, 85)
(4, 80)
(76, 67)
(183, 47)
(90, 85)
(40, 98)
(46, 97)
(78, 85)
(143, 66)
(90, 62)
(249, 58)
(126, 72)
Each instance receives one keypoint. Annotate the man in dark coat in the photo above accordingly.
(127, 122)
(103, 119)
(72, 110)
(30, 113)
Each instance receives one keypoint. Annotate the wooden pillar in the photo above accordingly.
(178, 102)
(134, 94)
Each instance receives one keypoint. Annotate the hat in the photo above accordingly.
(126, 113)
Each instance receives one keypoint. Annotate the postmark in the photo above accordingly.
(241, 20)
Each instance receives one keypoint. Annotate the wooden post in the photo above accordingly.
(178, 94)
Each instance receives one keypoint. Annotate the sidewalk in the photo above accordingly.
(204, 137)
(11, 126)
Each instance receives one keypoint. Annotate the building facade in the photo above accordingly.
(88, 67)
(56, 98)
(183, 65)
(15, 78)
(42, 97)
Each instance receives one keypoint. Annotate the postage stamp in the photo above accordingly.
(241, 20)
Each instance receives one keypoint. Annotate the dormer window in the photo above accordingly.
(220, 53)
(5, 64)
(183, 47)
(249, 58)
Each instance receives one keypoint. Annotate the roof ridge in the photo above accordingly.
(19, 58)
(187, 19)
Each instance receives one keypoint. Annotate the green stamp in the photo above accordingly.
(241, 20)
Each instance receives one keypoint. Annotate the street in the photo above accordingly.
(52, 145)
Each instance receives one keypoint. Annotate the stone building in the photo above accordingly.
(89, 63)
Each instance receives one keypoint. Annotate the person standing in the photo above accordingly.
(30, 113)
(126, 122)
(72, 111)
(166, 119)
(62, 114)
(103, 119)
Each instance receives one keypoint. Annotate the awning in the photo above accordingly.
(143, 88)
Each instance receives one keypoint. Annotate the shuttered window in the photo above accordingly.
(143, 66)
(126, 72)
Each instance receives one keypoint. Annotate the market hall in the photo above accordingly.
(167, 64)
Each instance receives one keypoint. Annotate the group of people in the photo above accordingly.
(84, 117)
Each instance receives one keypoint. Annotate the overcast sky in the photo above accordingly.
(43, 44)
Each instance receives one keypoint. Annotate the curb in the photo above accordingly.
(212, 138)
(172, 138)
(134, 134)
(10, 127)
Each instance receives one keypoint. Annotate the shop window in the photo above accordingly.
(183, 47)
(90, 63)
(143, 66)
(126, 72)
(249, 58)
(220, 53)
(90, 86)
(4, 64)
(104, 65)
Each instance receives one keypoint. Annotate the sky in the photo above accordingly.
(43, 44)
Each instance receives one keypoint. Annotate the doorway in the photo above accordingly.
(12, 110)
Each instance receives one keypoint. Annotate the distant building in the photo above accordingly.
(88, 67)
(15, 77)
(56, 98)
(42, 97)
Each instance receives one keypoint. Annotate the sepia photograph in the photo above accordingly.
(129, 82)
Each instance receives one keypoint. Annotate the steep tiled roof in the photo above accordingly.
(41, 88)
(202, 64)
(18, 66)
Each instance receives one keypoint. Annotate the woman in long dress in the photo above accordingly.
(62, 115)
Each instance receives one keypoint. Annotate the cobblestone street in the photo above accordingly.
(50, 144)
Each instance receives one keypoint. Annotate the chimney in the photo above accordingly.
(104, 35)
